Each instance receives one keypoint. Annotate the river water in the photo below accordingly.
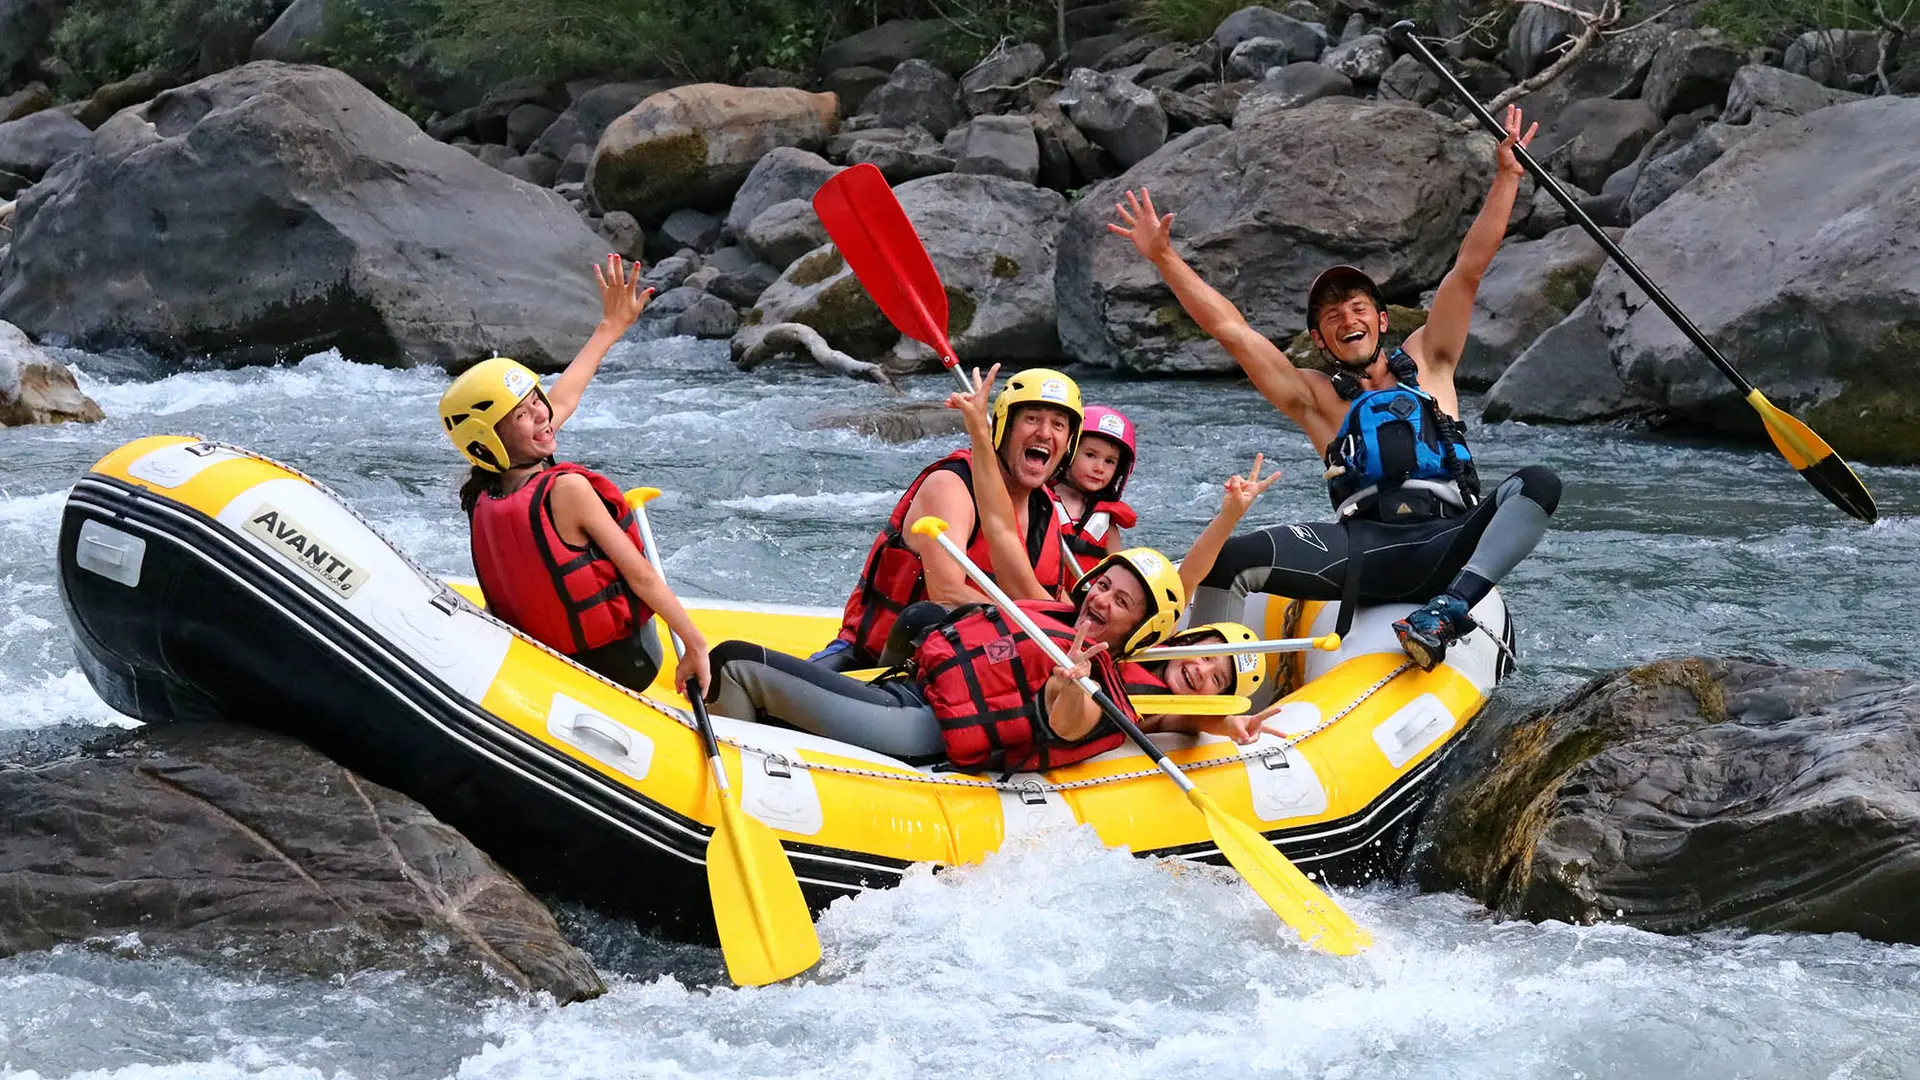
(1059, 959)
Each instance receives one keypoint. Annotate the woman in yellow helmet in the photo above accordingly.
(1239, 675)
(555, 546)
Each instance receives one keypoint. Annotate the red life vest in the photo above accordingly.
(568, 598)
(1088, 536)
(894, 577)
(985, 679)
(1139, 678)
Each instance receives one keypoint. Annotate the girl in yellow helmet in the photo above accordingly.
(555, 546)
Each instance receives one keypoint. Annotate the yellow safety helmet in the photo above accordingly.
(1249, 669)
(1166, 597)
(1038, 386)
(478, 400)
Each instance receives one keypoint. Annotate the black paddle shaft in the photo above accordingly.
(702, 720)
(1402, 35)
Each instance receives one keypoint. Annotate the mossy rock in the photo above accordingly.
(816, 267)
(1873, 418)
(640, 177)
(1176, 324)
(1004, 268)
(1566, 286)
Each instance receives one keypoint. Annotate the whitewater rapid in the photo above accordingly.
(1054, 959)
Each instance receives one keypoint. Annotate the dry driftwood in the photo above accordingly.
(754, 345)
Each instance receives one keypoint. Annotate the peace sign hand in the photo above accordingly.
(1241, 491)
(1244, 728)
(974, 404)
(1079, 658)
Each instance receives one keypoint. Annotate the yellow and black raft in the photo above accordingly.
(202, 580)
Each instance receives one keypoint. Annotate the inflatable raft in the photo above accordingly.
(202, 580)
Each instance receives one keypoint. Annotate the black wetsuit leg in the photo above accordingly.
(753, 682)
(1403, 564)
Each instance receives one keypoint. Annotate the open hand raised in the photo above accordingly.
(621, 297)
(1152, 235)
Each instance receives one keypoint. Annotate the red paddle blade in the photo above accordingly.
(868, 225)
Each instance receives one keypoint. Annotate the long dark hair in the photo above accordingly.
(485, 482)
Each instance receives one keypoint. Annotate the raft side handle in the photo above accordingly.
(777, 765)
(1273, 760)
(446, 601)
(1032, 794)
(110, 553)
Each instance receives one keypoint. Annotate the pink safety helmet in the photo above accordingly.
(1112, 424)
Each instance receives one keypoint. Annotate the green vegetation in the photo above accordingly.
(1778, 22)
(1189, 20)
(103, 41)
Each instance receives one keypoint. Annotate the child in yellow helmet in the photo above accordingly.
(555, 546)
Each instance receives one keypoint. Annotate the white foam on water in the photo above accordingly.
(1064, 959)
(44, 700)
(832, 503)
(326, 381)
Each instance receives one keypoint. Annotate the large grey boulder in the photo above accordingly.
(1364, 59)
(1529, 286)
(1616, 66)
(1842, 59)
(588, 116)
(1000, 146)
(1691, 71)
(784, 173)
(1761, 94)
(1591, 140)
(35, 388)
(1565, 377)
(1660, 177)
(899, 154)
(1407, 79)
(916, 94)
(1121, 118)
(886, 45)
(25, 101)
(230, 845)
(277, 210)
(1304, 40)
(1801, 272)
(293, 36)
(985, 88)
(852, 85)
(35, 143)
(1696, 793)
(783, 232)
(1254, 57)
(1289, 88)
(993, 242)
(25, 26)
(1261, 209)
(693, 146)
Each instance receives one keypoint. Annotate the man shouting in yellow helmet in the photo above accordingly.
(1036, 420)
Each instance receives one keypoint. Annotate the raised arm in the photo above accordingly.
(1439, 344)
(1012, 567)
(621, 302)
(1287, 387)
(1235, 501)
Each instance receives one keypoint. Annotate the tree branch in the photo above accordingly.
(1592, 23)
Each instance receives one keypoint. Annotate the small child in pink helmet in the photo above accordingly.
(1087, 492)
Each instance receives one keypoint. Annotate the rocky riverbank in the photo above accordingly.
(280, 208)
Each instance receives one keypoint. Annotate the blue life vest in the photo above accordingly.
(1399, 457)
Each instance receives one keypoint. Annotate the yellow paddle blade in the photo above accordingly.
(641, 496)
(1813, 459)
(766, 931)
(1299, 902)
(1190, 704)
